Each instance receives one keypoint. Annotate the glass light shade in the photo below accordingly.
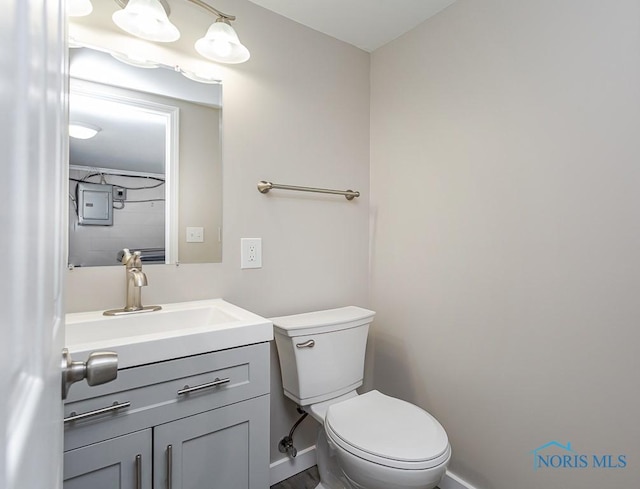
(221, 44)
(146, 19)
(82, 130)
(79, 8)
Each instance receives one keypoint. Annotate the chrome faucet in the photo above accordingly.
(135, 280)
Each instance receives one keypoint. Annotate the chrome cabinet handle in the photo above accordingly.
(77, 417)
(169, 465)
(196, 388)
(101, 367)
(306, 344)
(138, 471)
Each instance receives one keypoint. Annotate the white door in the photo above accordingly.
(32, 242)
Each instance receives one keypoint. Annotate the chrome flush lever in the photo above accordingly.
(101, 367)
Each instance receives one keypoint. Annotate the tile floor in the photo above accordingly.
(308, 479)
(304, 480)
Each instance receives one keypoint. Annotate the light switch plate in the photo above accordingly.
(195, 235)
(250, 252)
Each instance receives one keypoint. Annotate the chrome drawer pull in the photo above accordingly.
(77, 417)
(306, 344)
(216, 382)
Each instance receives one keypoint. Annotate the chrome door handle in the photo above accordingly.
(101, 367)
(73, 416)
(196, 388)
(306, 344)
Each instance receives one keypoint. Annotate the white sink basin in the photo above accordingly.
(178, 330)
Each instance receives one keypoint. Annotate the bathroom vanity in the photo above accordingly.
(200, 420)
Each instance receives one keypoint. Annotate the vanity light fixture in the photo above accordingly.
(148, 19)
(79, 8)
(82, 130)
(221, 44)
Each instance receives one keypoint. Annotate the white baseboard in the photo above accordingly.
(452, 481)
(286, 467)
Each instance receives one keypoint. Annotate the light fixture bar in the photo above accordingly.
(149, 19)
(213, 10)
(164, 3)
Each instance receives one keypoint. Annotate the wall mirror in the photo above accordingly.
(151, 177)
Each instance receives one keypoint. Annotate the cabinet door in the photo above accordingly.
(120, 463)
(226, 448)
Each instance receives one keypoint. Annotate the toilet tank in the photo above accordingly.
(322, 353)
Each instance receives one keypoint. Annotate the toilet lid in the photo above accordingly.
(387, 431)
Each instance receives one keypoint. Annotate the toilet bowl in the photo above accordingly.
(383, 442)
(367, 441)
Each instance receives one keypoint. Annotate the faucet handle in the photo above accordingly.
(124, 256)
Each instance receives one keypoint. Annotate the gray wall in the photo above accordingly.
(506, 202)
(296, 113)
(504, 215)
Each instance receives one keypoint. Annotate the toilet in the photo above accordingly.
(365, 441)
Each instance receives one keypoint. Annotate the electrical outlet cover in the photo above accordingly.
(250, 252)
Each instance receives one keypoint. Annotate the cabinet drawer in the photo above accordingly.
(149, 395)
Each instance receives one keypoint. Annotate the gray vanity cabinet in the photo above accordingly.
(202, 420)
(120, 463)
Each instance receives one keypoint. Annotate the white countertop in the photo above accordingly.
(178, 330)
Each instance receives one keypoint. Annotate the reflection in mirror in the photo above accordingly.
(120, 178)
(150, 179)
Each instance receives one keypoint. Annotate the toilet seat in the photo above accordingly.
(387, 431)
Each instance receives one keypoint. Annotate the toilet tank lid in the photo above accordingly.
(322, 321)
